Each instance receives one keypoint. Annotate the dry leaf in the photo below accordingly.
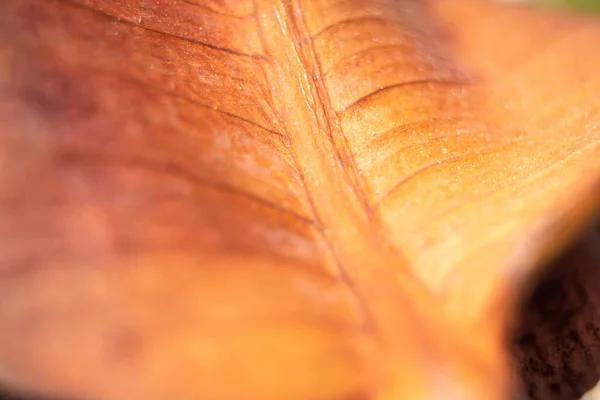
(295, 199)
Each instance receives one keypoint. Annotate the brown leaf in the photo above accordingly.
(307, 199)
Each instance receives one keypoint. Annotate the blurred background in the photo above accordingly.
(587, 6)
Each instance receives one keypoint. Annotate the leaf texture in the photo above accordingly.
(296, 199)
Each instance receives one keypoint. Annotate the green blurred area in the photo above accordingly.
(587, 6)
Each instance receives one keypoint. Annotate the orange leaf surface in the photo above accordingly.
(292, 199)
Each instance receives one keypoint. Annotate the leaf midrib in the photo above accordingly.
(367, 262)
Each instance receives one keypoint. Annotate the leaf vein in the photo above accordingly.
(175, 170)
(140, 83)
(114, 18)
(416, 82)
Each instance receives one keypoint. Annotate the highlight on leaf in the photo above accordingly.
(294, 199)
